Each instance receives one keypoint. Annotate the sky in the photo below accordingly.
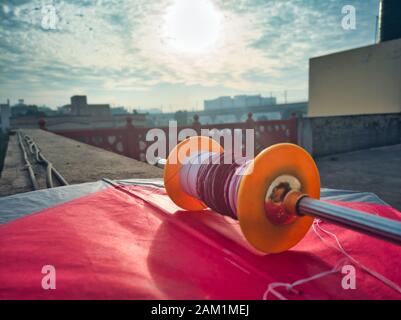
(169, 54)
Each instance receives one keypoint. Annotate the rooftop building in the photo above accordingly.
(80, 107)
(239, 101)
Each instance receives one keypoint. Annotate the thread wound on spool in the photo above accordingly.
(214, 182)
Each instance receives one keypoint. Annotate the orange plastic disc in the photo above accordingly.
(173, 166)
(280, 159)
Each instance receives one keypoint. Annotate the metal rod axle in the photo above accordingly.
(370, 224)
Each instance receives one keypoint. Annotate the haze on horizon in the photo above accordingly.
(170, 53)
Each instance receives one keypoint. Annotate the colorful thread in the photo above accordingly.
(206, 177)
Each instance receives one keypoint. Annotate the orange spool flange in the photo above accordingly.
(280, 159)
(173, 166)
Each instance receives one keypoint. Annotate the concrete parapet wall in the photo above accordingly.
(323, 136)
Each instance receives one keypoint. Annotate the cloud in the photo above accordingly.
(117, 47)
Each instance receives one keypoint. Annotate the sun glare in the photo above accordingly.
(192, 26)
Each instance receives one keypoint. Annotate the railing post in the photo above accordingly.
(251, 124)
(42, 124)
(196, 125)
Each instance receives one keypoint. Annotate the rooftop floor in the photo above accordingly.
(376, 170)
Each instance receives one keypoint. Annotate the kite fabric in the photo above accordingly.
(128, 240)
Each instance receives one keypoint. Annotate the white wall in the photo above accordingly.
(360, 81)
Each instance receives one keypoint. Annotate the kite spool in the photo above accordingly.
(275, 197)
(282, 163)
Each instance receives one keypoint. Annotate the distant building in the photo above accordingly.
(22, 110)
(80, 107)
(118, 111)
(240, 101)
(74, 116)
(153, 110)
(181, 117)
(47, 111)
(64, 110)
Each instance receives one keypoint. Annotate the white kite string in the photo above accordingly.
(316, 226)
(290, 287)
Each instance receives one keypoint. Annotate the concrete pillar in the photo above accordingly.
(305, 134)
(5, 116)
(130, 140)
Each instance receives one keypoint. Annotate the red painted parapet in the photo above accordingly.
(266, 133)
(108, 139)
(131, 141)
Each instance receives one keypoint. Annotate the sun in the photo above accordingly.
(192, 26)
